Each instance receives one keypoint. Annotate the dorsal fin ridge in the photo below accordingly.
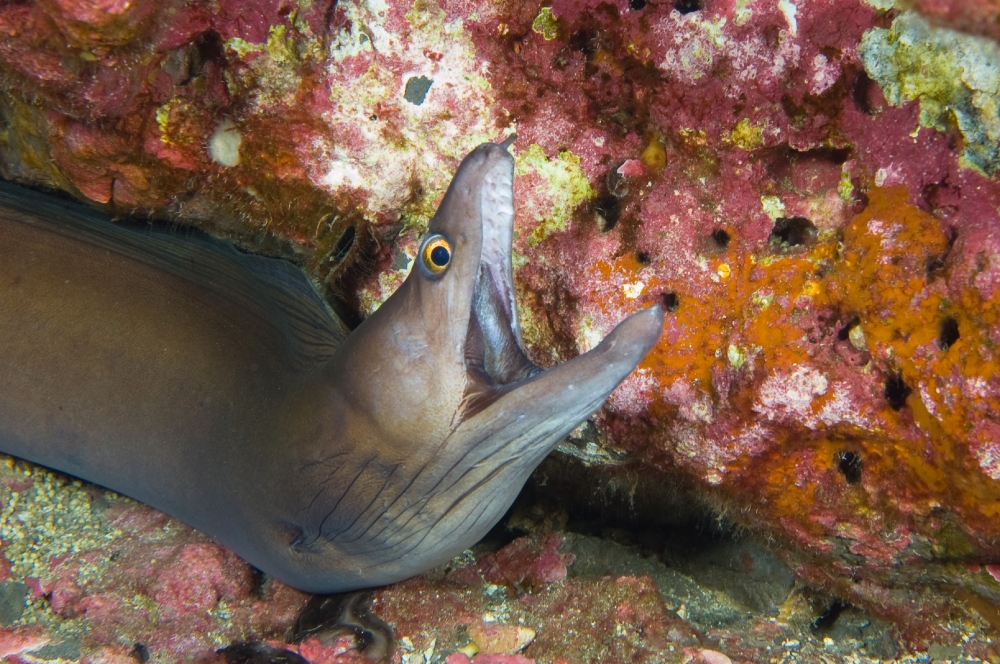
(277, 289)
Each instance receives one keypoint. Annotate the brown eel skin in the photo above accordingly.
(220, 388)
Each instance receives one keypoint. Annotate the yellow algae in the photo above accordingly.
(279, 46)
(566, 186)
(242, 47)
(845, 188)
(746, 135)
(737, 356)
(163, 121)
(26, 136)
(654, 156)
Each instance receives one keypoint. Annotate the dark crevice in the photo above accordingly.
(936, 265)
(670, 301)
(609, 208)
(721, 238)
(327, 617)
(828, 618)
(896, 391)
(585, 41)
(947, 333)
(258, 582)
(863, 93)
(257, 652)
(139, 653)
(850, 465)
(341, 249)
(790, 232)
(688, 6)
(844, 333)
(642, 258)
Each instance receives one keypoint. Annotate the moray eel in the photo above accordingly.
(219, 387)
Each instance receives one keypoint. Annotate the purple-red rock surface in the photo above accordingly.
(808, 186)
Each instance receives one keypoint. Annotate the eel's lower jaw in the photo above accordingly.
(493, 349)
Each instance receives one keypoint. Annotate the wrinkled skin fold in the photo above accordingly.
(219, 388)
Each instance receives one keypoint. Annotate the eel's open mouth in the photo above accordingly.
(493, 344)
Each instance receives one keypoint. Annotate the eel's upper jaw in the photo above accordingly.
(494, 356)
(497, 210)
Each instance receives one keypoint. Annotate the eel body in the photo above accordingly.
(219, 387)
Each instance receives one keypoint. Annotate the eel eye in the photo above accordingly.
(436, 254)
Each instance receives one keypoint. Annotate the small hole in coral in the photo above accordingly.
(826, 621)
(642, 257)
(636, 5)
(721, 238)
(845, 332)
(864, 94)
(610, 209)
(140, 653)
(585, 41)
(258, 581)
(948, 333)
(792, 232)
(896, 391)
(670, 301)
(849, 464)
(934, 266)
(688, 6)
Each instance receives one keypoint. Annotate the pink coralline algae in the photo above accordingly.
(523, 562)
(807, 186)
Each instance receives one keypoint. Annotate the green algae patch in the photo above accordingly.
(546, 24)
(956, 78)
(845, 188)
(565, 187)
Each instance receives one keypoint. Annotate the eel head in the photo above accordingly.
(446, 414)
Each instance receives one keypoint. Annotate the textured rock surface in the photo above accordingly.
(808, 186)
(91, 576)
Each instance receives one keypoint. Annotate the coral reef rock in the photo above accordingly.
(808, 187)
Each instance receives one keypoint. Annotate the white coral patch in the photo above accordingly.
(825, 74)
(694, 44)
(445, 126)
(633, 396)
(342, 172)
(633, 290)
(789, 9)
(693, 405)
(790, 395)
(988, 456)
(224, 145)
(841, 408)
